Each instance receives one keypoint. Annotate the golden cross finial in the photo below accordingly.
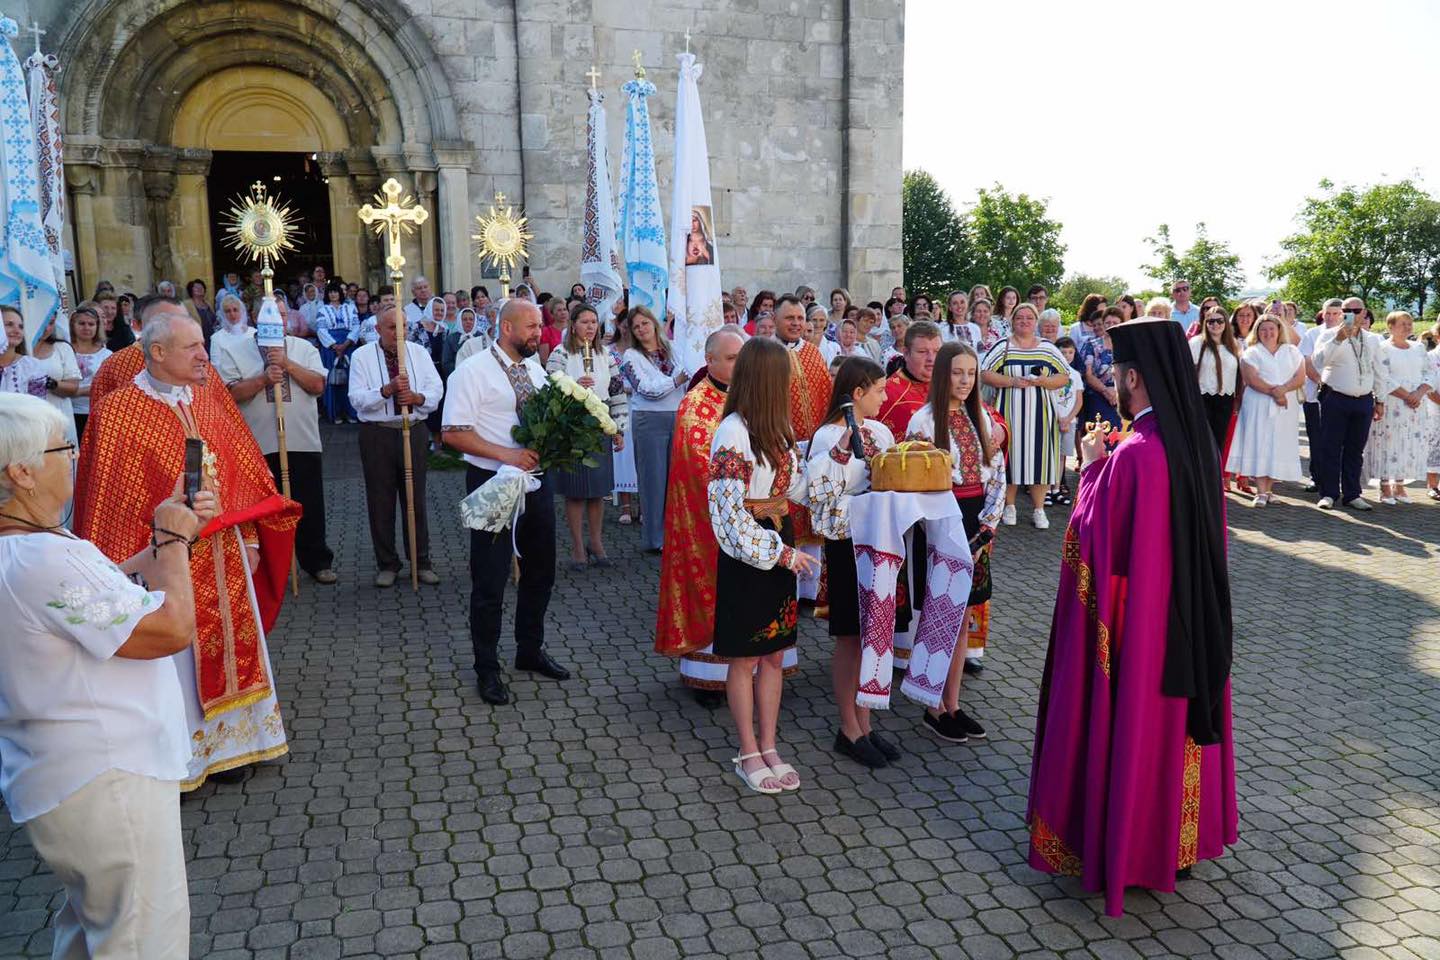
(499, 198)
(639, 67)
(594, 75)
(393, 218)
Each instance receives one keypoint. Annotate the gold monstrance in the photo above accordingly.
(260, 227)
(502, 239)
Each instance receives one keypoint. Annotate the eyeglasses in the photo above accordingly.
(1215, 322)
(68, 449)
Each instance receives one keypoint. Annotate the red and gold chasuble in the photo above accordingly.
(118, 370)
(132, 453)
(809, 396)
(904, 395)
(685, 621)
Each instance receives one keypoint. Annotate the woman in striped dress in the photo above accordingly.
(1024, 369)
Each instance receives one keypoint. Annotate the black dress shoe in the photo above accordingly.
(973, 667)
(1183, 874)
(709, 699)
(944, 727)
(492, 689)
(861, 750)
(543, 665)
(892, 752)
(965, 722)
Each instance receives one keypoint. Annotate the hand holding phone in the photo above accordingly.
(194, 468)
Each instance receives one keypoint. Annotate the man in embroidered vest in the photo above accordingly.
(1133, 776)
(134, 447)
(685, 620)
(482, 408)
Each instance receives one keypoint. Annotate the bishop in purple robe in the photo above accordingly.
(1133, 775)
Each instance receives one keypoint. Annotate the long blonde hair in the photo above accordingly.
(662, 344)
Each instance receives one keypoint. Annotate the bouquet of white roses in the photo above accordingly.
(566, 425)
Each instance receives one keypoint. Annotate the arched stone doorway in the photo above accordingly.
(152, 88)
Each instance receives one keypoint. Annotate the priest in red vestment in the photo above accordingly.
(809, 396)
(133, 449)
(685, 620)
(1133, 775)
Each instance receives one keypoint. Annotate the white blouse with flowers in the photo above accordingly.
(833, 476)
(735, 476)
(967, 457)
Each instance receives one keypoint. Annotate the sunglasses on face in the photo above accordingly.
(1215, 322)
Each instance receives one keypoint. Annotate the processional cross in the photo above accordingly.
(35, 29)
(393, 218)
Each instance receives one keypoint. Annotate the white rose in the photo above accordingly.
(592, 404)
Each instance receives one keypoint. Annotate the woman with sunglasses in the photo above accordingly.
(1217, 366)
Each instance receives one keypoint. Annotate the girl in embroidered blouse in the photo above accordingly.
(833, 476)
(978, 481)
(754, 471)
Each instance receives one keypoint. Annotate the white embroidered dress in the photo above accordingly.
(1400, 442)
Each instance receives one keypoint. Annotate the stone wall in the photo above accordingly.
(802, 103)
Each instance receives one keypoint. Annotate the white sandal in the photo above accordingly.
(782, 770)
(755, 778)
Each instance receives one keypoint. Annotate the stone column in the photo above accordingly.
(190, 234)
(426, 183)
(83, 180)
(453, 214)
(347, 255)
(158, 172)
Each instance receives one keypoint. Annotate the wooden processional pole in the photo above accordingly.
(393, 218)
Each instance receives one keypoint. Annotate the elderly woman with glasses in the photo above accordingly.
(93, 738)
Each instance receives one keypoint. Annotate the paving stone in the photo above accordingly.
(597, 818)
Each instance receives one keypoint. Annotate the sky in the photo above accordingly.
(1126, 115)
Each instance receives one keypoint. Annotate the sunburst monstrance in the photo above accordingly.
(502, 237)
(261, 226)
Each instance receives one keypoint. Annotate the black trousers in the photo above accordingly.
(382, 456)
(1344, 430)
(1312, 437)
(307, 488)
(490, 555)
(1218, 407)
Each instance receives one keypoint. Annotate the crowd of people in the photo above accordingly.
(740, 475)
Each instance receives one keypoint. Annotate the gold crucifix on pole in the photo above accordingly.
(392, 217)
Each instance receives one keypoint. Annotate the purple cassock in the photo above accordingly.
(1120, 794)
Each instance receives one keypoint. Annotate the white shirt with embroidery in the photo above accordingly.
(736, 475)
(834, 476)
(70, 709)
(992, 474)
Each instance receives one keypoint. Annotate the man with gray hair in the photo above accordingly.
(419, 305)
(1330, 316)
(175, 417)
(165, 288)
(1352, 383)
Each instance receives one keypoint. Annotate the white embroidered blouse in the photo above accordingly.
(735, 476)
(968, 466)
(834, 475)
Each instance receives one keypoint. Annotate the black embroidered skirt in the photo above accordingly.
(755, 610)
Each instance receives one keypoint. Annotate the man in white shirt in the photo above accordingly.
(1182, 311)
(254, 377)
(419, 305)
(487, 392)
(378, 393)
(1331, 316)
(1347, 358)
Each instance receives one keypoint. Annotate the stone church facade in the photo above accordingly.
(459, 99)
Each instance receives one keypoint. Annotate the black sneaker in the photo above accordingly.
(862, 751)
(963, 721)
(945, 728)
(1049, 498)
(892, 752)
(973, 666)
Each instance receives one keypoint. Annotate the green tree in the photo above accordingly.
(1014, 242)
(1068, 296)
(1210, 266)
(933, 239)
(1363, 242)
(1418, 263)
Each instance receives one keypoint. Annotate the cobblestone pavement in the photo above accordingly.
(596, 818)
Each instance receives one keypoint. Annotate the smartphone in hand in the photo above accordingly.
(194, 468)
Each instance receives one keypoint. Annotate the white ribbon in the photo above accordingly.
(500, 502)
